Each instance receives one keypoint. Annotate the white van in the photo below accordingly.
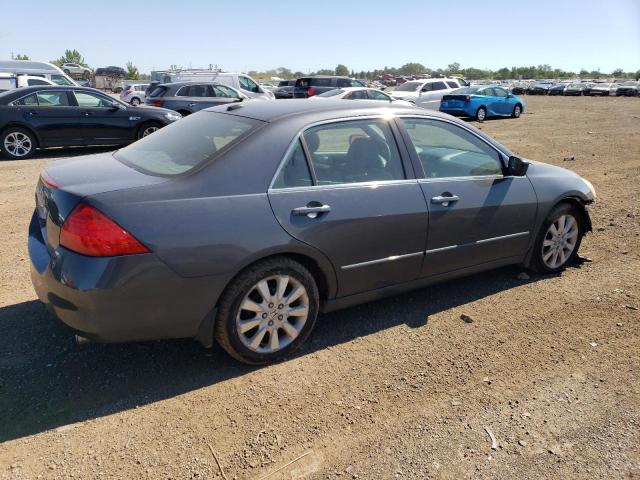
(36, 69)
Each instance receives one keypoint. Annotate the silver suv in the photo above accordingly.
(134, 93)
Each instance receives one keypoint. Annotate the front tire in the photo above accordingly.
(17, 143)
(267, 312)
(481, 114)
(148, 128)
(559, 239)
(517, 111)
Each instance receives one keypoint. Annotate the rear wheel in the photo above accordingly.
(517, 111)
(558, 240)
(67, 72)
(17, 143)
(148, 128)
(267, 312)
(481, 114)
(135, 101)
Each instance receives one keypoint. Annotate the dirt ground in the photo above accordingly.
(400, 388)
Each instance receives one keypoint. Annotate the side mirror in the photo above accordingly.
(114, 107)
(517, 167)
(509, 95)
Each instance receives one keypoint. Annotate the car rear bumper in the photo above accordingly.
(118, 299)
(456, 112)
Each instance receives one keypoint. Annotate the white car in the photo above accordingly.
(76, 70)
(9, 81)
(134, 93)
(427, 93)
(361, 93)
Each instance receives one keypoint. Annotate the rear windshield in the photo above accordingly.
(158, 91)
(466, 90)
(186, 144)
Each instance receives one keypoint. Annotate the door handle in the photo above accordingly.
(445, 200)
(312, 211)
(192, 104)
(32, 113)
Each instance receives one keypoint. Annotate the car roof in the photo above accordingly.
(190, 82)
(273, 110)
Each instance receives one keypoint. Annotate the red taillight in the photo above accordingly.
(156, 103)
(47, 181)
(311, 92)
(90, 232)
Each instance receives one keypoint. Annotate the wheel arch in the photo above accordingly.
(325, 281)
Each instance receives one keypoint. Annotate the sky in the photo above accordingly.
(307, 36)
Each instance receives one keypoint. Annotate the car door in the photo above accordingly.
(502, 102)
(477, 214)
(104, 121)
(51, 114)
(345, 189)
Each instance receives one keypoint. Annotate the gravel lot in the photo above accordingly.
(400, 388)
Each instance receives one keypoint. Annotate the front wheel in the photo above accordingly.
(267, 312)
(148, 128)
(517, 111)
(558, 240)
(481, 114)
(17, 143)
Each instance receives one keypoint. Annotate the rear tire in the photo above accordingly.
(67, 72)
(481, 114)
(267, 312)
(558, 240)
(135, 101)
(148, 128)
(17, 143)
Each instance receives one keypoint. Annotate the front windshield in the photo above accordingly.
(409, 87)
(332, 93)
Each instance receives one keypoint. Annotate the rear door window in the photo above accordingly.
(321, 82)
(48, 98)
(438, 86)
(452, 84)
(354, 151)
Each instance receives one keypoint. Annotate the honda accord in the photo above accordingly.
(241, 223)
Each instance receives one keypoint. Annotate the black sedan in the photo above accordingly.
(628, 89)
(577, 89)
(558, 89)
(57, 116)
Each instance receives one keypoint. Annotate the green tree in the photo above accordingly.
(132, 72)
(453, 67)
(412, 68)
(503, 73)
(20, 56)
(325, 71)
(583, 73)
(618, 73)
(342, 70)
(70, 56)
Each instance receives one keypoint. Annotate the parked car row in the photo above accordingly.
(629, 88)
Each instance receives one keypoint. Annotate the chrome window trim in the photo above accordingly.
(484, 240)
(372, 184)
(297, 136)
(460, 179)
(381, 260)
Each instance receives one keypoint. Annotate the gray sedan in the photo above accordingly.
(241, 223)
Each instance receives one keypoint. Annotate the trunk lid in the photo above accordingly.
(64, 183)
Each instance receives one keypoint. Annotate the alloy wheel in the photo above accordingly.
(17, 144)
(517, 110)
(560, 241)
(149, 130)
(272, 314)
(481, 114)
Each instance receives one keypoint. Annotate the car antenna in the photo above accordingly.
(233, 107)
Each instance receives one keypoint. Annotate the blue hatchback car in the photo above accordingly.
(482, 101)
